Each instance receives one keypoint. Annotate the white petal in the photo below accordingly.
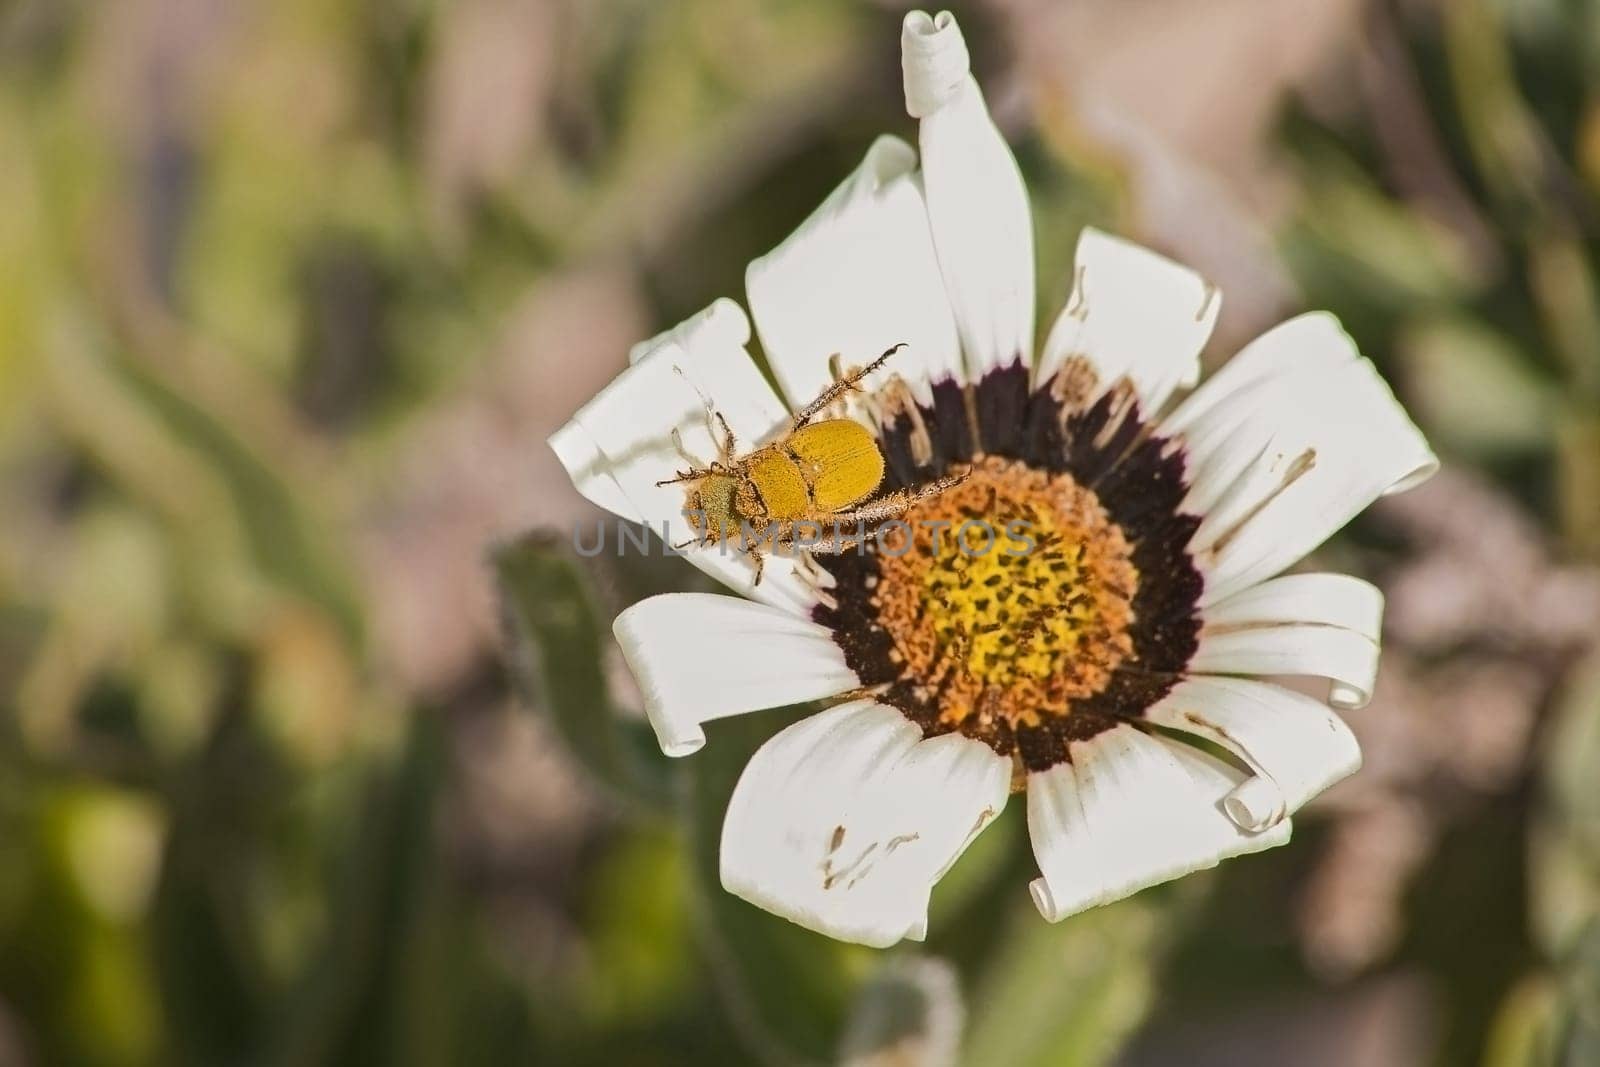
(713, 341)
(1287, 444)
(1314, 599)
(977, 202)
(844, 821)
(1325, 625)
(1133, 314)
(1344, 657)
(858, 277)
(1129, 811)
(591, 471)
(1297, 742)
(1313, 343)
(699, 656)
(669, 385)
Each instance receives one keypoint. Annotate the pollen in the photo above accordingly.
(1006, 598)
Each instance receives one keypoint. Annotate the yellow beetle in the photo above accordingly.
(814, 476)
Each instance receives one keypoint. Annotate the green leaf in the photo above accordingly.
(1580, 1030)
(1483, 395)
(1355, 242)
(286, 537)
(213, 966)
(355, 1002)
(909, 1013)
(1558, 1022)
(1579, 474)
(786, 989)
(1065, 994)
(407, 973)
(555, 648)
(1524, 1024)
(639, 939)
(1565, 840)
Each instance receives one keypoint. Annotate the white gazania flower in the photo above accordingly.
(1080, 672)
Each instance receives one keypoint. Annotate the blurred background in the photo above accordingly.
(314, 747)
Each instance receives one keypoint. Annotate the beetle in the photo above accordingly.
(819, 473)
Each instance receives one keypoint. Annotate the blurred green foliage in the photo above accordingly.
(248, 250)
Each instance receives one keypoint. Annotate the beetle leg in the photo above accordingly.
(875, 511)
(714, 419)
(693, 474)
(729, 444)
(847, 384)
(938, 485)
(896, 503)
(696, 469)
(695, 463)
(834, 523)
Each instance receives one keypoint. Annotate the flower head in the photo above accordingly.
(1086, 591)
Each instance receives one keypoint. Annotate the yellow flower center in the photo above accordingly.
(1007, 597)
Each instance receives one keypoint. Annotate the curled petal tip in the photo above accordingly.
(1039, 889)
(934, 59)
(1348, 697)
(1256, 805)
(682, 745)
